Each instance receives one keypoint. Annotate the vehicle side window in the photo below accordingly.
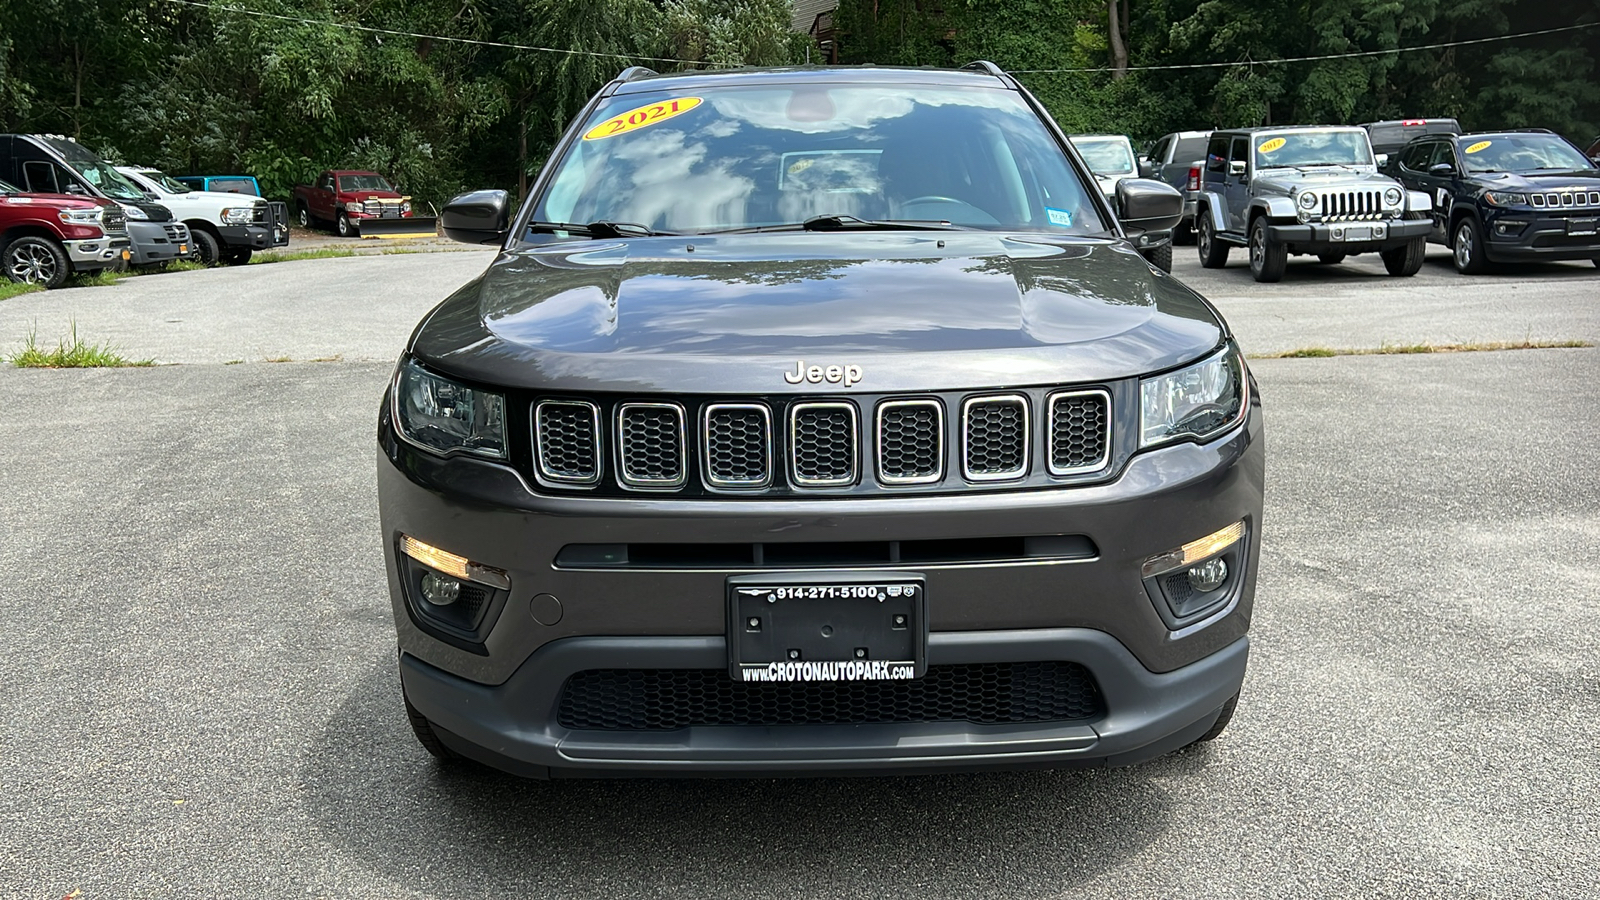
(1415, 157)
(1217, 155)
(1158, 154)
(326, 183)
(41, 177)
(1446, 154)
(1240, 152)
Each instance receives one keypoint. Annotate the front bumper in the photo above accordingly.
(238, 237)
(98, 253)
(1319, 237)
(1533, 238)
(154, 242)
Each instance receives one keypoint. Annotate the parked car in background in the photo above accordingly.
(44, 238)
(1594, 150)
(356, 203)
(50, 164)
(225, 227)
(223, 184)
(1110, 159)
(1506, 196)
(1176, 159)
(1388, 137)
(1304, 190)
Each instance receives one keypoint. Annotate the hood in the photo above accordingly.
(373, 195)
(1586, 179)
(1283, 180)
(155, 211)
(67, 201)
(916, 311)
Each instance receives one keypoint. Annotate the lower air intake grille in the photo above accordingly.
(983, 693)
(910, 442)
(738, 445)
(996, 445)
(650, 443)
(824, 444)
(567, 441)
(1079, 432)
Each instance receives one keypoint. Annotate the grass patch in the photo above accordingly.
(9, 289)
(72, 352)
(290, 255)
(102, 278)
(234, 362)
(278, 359)
(1405, 349)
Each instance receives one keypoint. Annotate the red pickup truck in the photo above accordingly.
(46, 237)
(356, 203)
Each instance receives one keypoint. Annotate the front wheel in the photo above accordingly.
(346, 229)
(240, 256)
(207, 249)
(1213, 253)
(423, 729)
(1467, 248)
(1405, 260)
(1267, 258)
(36, 260)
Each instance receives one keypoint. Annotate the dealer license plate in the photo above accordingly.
(1357, 233)
(1580, 227)
(828, 627)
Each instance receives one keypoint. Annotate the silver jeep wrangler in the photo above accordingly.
(1304, 190)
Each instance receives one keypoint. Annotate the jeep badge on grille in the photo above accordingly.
(846, 375)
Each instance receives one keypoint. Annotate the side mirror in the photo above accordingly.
(1382, 159)
(1144, 204)
(1441, 169)
(75, 188)
(1236, 167)
(479, 217)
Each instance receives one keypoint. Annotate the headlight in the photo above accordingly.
(81, 216)
(1308, 200)
(440, 415)
(405, 207)
(135, 213)
(1198, 402)
(1392, 197)
(1504, 198)
(353, 206)
(238, 215)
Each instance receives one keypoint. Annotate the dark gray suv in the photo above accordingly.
(819, 420)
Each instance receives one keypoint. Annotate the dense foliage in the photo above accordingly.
(196, 89)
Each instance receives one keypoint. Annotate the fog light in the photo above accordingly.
(1206, 577)
(440, 590)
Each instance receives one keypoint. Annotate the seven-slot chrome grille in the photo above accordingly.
(1352, 205)
(1566, 198)
(830, 445)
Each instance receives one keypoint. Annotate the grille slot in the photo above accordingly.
(738, 445)
(1352, 205)
(651, 445)
(982, 693)
(1571, 198)
(566, 439)
(910, 442)
(823, 444)
(1080, 431)
(995, 437)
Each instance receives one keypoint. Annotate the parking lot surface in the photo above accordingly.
(198, 693)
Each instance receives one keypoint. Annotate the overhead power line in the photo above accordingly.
(1246, 63)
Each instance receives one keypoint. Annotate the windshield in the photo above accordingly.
(364, 182)
(96, 171)
(775, 155)
(170, 185)
(1106, 156)
(1312, 148)
(1522, 153)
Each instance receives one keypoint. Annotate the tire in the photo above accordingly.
(1213, 253)
(238, 257)
(1466, 248)
(423, 729)
(1406, 260)
(345, 227)
(1331, 259)
(1223, 719)
(1160, 257)
(1267, 259)
(303, 215)
(36, 260)
(207, 249)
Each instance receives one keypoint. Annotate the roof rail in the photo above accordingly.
(983, 65)
(632, 72)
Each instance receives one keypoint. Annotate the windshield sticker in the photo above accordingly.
(1274, 144)
(644, 116)
(1059, 217)
(1481, 145)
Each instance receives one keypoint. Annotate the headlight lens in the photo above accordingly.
(1308, 200)
(80, 216)
(135, 214)
(446, 417)
(238, 215)
(1505, 198)
(1197, 402)
(353, 206)
(1392, 197)
(405, 207)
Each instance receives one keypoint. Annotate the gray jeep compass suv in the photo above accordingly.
(819, 420)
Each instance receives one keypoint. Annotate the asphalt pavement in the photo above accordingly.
(198, 693)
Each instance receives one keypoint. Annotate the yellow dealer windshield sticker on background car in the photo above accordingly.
(1479, 146)
(1274, 144)
(642, 117)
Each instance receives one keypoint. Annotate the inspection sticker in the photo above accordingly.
(1481, 145)
(1059, 217)
(1274, 144)
(642, 117)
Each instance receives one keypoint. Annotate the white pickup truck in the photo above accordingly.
(226, 227)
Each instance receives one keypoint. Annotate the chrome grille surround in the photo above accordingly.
(731, 434)
(652, 446)
(1352, 205)
(927, 463)
(818, 457)
(566, 442)
(114, 221)
(1564, 198)
(1080, 429)
(996, 440)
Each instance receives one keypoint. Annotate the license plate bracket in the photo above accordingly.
(1355, 233)
(825, 627)
(1583, 227)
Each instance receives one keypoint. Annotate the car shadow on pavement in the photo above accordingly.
(472, 832)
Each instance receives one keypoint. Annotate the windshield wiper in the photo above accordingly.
(602, 229)
(840, 222)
